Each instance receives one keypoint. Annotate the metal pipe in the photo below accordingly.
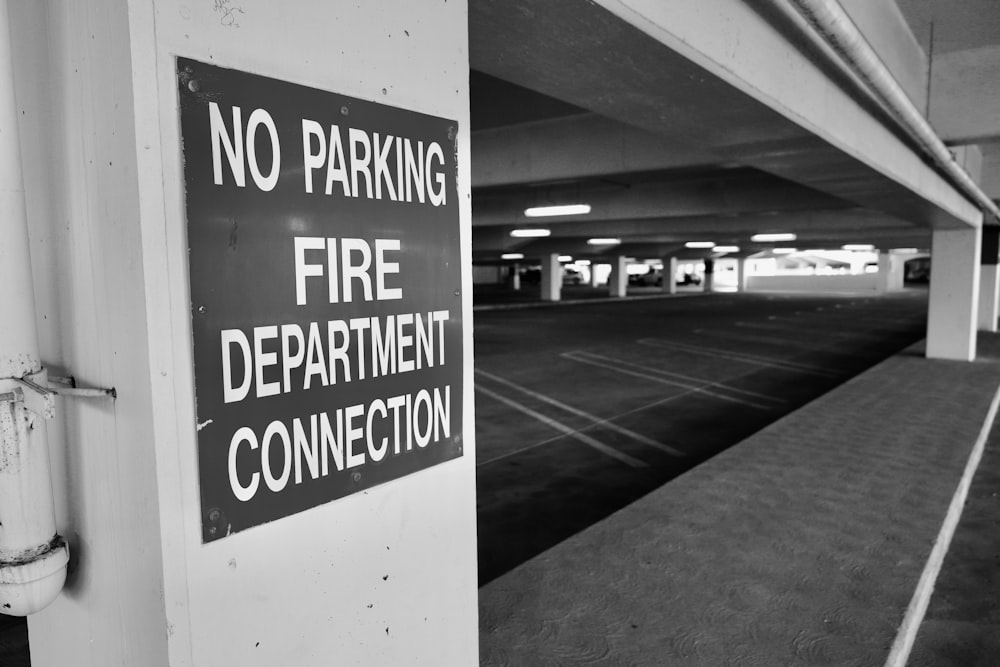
(837, 29)
(33, 557)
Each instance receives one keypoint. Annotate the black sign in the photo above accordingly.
(325, 293)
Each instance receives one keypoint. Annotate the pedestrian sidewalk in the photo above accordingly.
(803, 544)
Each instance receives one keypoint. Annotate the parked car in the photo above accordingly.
(689, 279)
(572, 276)
(650, 278)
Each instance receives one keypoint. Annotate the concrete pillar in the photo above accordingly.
(741, 274)
(551, 278)
(890, 273)
(515, 281)
(669, 274)
(593, 274)
(989, 280)
(386, 576)
(618, 281)
(708, 284)
(952, 315)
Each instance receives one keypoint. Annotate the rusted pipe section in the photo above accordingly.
(33, 557)
(837, 29)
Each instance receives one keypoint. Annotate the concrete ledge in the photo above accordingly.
(863, 282)
(802, 544)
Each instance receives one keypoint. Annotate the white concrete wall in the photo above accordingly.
(379, 578)
(865, 282)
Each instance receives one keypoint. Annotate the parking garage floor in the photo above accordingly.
(829, 452)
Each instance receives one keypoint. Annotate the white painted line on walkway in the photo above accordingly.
(908, 629)
(619, 367)
(597, 421)
(737, 356)
(559, 426)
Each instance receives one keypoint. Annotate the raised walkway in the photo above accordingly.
(804, 544)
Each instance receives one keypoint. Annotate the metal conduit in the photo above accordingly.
(837, 29)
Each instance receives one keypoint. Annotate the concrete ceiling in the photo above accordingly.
(570, 104)
(959, 25)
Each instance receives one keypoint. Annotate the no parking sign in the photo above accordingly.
(325, 293)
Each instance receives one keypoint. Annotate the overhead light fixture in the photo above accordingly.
(765, 238)
(582, 262)
(565, 258)
(727, 248)
(783, 251)
(603, 241)
(530, 233)
(858, 246)
(699, 244)
(512, 255)
(905, 251)
(561, 209)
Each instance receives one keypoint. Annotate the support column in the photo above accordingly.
(669, 274)
(741, 274)
(551, 278)
(593, 274)
(515, 281)
(890, 273)
(708, 284)
(618, 281)
(954, 294)
(105, 182)
(989, 280)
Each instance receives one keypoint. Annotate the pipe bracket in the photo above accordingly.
(31, 391)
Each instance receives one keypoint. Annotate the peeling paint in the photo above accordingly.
(19, 365)
(205, 423)
(14, 423)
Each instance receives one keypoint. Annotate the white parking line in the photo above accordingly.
(597, 421)
(699, 383)
(771, 340)
(736, 356)
(806, 331)
(907, 634)
(559, 426)
(620, 366)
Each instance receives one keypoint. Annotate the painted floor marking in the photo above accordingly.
(559, 426)
(737, 356)
(802, 331)
(698, 383)
(915, 612)
(821, 347)
(596, 421)
(648, 374)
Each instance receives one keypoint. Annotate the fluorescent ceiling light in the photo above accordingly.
(764, 238)
(603, 241)
(699, 244)
(783, 251)
(562, 209)
(858, 246)
(565, 258)
(727, 248)
(512, 255)
(530, 233)
(582, 262)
